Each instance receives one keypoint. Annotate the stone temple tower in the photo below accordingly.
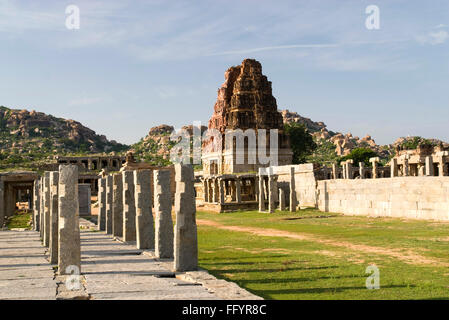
(245, 101)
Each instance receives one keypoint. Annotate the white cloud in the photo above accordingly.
(434, 38)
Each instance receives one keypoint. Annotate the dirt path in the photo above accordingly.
(403, 255)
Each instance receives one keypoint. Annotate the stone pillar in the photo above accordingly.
(256, 188)
(429, 166)
(221, 191)
(394, 167)
(349, 174)
(54, 182)
(206, 190)
(2, 204)
(238, 191)
(186, 243)
(441, 168)
(261, 194)
(343, 171)
(162, 208)
(362, 170)
(293, 200)
(36, 205)
(215, 191)
(41, 208)
(406, 169)
(374, 162)
(102, 204)
(117, 205)
(129, 207)
(272, 186)
(109, 191)
(211, 190)
(281, 199)
(69, 258)
(421, 169)
(232, 187)
(334, 171)
(47, 208)
(144, 209)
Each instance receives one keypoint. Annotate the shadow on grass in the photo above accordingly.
(269, 293)
(310, 217)
(281, 269)
(292, 280)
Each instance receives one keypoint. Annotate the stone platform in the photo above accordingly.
(25, 272)
(110, 270)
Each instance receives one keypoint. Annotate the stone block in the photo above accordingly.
(69, 257)
(117, 205)
(186, 243)
(162, 207)
(129, 207)
(54, 217)
(144, 212)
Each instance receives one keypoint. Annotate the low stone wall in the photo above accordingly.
(305, 182)
(407, 197)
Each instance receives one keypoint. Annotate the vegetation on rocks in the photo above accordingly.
(28, 138)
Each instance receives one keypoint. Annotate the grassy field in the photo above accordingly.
(315, 255)
(19, 220)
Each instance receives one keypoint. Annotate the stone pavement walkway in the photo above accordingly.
(110, 270)
(25, 273)
(115, 270)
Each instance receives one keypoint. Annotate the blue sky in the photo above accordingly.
(136, 64)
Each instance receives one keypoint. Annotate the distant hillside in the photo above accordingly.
(332, 145)
(155, 147)
(26, 137)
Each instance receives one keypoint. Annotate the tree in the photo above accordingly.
(360, 155)
(301, 142)
(324, 154)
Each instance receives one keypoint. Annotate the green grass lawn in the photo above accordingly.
(19, 220)
(325, 265)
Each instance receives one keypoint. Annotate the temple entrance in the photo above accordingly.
(16, 193)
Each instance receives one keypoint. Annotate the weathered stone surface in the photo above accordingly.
(117, 205)
(41, 209)
(293, 200)
(281, 199)
(144, 214)
(272, 187)
(54, 218)
(36, 205)
(25, 273)
(162, 208)
(47, 208)
(186, 243)
(129, 207)
(109, 190)
(69, 232)
(245, 100)
(261, 194)
(102, 204)
(429, 166)
(84, 195)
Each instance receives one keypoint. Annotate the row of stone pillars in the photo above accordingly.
(125, 211)
(406, 169)
(271, 192)
(215, 189)
(56, 217)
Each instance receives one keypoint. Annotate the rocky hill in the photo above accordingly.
(29, 136)
(345, 143)
(155, 147)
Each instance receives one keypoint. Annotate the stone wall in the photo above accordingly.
(407, 197)
(305, 182)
